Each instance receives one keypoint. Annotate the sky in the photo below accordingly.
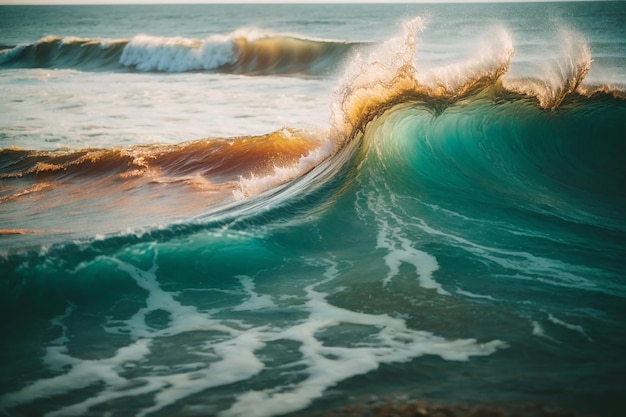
(211, 1)
(7, 2)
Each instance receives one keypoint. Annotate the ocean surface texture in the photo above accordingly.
(263, 210)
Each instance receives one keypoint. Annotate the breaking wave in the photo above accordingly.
(246, 51)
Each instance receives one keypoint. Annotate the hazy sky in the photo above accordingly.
(241, 1)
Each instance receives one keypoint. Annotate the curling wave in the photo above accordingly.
(468, 130)
(245, 51)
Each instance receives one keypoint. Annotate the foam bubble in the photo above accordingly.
(474, 295)
(401, 251)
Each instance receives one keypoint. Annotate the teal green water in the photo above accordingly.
(465, 245)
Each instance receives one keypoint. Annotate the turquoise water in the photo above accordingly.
(268, 210)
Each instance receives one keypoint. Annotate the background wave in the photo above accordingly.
(245, 51)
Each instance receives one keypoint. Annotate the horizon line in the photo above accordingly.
(224, 2)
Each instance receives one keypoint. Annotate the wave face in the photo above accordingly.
(457, 232)
(246, 51)
(54, 52)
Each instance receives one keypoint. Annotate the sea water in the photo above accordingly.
(258, 210)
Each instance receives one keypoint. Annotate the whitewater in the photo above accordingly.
(263, 210)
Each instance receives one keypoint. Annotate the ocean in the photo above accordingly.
(264, 210)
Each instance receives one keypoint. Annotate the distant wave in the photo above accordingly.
(242, 52)
(68, 52)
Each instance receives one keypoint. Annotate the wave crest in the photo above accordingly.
(561, 76)
(153, 53)
(245, 51)
(390, 75)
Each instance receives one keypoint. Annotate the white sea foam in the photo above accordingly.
(81, 373)
(539, 331)
(254, 301)
(255, 185)
(328, 365)
(229, 353)
(474, 295)
(183, 318)
(560, 76)
(525, 265)
(573, 327)
(392, 237)
(491, 59)
(400, 250)
(154, 53)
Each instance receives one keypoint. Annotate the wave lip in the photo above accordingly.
(151, 53)
(561, 77)
(390, 75)
(242, 52)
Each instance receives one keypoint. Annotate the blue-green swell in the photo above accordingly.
(522, 210)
